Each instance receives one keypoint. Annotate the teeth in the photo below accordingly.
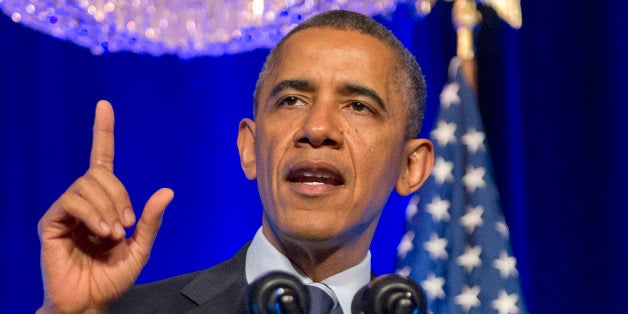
(310, 174)
(313, 183)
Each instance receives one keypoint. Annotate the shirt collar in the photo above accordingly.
(263, 257)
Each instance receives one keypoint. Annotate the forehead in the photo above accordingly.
(333, 47)
(327, 37)
(327, 55)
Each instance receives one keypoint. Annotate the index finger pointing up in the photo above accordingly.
(102, 142)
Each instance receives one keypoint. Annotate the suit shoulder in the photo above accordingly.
(156, 297)
(216, 287)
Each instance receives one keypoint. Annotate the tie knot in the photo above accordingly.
(322, 299)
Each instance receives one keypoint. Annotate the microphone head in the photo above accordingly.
(390, 294)
(277, 292)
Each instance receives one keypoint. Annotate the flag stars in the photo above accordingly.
(506, 265)
(405, 245)
(474, 178)
(459, 251)
(473, 218)
(470, 258)
(404, 272)
(436, 247)
(506, 303)
(449, 95)
(439, 209)
(474, 140)
(412, 208)
(502, 228)
(468, 298)
(434, 286)
(444, 133)
(443, 170)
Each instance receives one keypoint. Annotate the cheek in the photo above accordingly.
(264, 157)
(382, 164)
(378, 166)
(270, 149)
(382, 151)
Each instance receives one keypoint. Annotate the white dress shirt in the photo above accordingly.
(262, 257)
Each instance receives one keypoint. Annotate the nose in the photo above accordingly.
(320, 128)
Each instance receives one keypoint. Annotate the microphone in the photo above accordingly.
(390, 294)
(277, 293)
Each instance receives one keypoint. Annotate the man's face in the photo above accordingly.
(328, 139)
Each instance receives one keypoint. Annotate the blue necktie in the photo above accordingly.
(321, 302)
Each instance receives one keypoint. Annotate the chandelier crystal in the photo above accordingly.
(187, 28)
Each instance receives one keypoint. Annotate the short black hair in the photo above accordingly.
(413, 84)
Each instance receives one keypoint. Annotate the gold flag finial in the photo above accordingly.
(424, 7)
(508, 10)
(465, 17)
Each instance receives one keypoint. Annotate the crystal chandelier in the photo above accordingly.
(190, 28)
(187, 28)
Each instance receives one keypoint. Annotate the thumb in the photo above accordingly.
(149, 223)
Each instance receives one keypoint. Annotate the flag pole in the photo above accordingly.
(465, 18)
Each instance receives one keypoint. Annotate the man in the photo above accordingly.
(337, 108)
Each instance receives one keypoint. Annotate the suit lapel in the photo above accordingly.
(220, 289)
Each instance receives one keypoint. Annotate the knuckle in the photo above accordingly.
(68, 203)
(65, 200)
(81, 182)
(114, 187)
(98, 170)
(104, 160)
(122, 196)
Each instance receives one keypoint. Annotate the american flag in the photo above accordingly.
(456, 244)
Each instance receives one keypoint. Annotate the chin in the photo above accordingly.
(311, 230)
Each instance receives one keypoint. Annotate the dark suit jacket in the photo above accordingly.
(219, 289)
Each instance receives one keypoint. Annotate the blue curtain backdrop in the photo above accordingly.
(552, 95)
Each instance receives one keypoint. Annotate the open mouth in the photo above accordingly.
(315, 176)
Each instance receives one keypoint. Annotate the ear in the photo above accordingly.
(246, 147)
(419, 163)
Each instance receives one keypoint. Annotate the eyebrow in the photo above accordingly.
(355, 89)
(349, 89)
(299, 85)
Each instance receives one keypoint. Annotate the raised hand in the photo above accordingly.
(87, 262)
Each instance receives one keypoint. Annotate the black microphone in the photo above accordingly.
(390, 294)
(277, 293)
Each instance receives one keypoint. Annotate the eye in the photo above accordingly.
(359, 107)
(290, 101)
